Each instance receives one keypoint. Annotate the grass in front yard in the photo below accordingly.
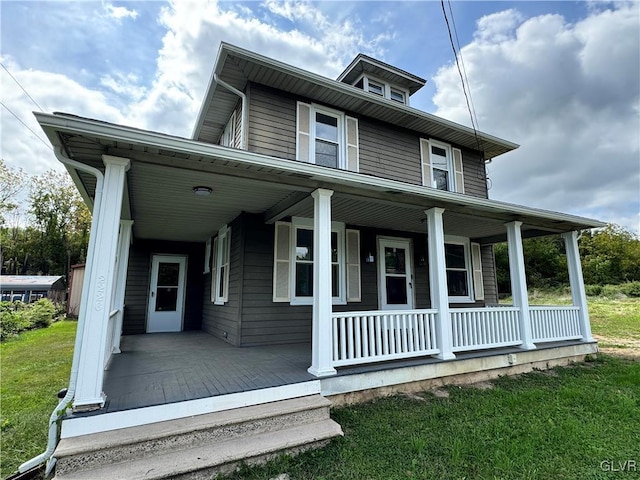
(33, 368)
(557, 424)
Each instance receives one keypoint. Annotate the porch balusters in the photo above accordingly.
(519, 282)
(438, 282)
(577, 283)
(322, 338)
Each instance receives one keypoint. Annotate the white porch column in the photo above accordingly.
(322, 338)
(124, 242)
(519, 283)
(89, 395)
(577, 283)
(438, 282)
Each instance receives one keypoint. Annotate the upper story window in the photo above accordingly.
(326, 137)
(229, 133)
(441, 166)
(383, 89)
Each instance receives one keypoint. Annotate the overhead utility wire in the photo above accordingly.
(464, 87)
(27, 126)
(464, 69)
(23, 89)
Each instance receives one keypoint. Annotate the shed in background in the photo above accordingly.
(30, 288)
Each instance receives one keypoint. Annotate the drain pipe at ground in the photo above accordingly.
(64, 404)
(244, 108)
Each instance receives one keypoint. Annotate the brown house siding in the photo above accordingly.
(386, 151)
(138, 282)
(223, 321)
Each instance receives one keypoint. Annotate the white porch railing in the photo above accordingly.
(375, 336)
(555, 323)
(483, 328)
(108, 351)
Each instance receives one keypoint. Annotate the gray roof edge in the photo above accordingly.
(69, 122)
(361, 57)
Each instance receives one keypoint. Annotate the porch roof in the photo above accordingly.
(164, 169)
(237, 67)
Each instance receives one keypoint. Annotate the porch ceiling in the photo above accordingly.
(164, 170)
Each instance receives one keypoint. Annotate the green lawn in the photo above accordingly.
(557, 424)
(33, 368)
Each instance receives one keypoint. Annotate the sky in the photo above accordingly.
(561, 79)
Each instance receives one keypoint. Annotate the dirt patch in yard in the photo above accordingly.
(619, 347)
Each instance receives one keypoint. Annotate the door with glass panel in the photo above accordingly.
(166, 294)
(395, 274)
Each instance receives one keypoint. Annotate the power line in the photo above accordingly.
(464, 69)
(462, 80)
(27, 126)
(23, 89)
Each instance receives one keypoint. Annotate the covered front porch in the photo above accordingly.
(144, 187)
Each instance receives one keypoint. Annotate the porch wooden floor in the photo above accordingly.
(161, 368)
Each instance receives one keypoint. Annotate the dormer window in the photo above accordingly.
(397, 96)
(382, 89)
(376, 88)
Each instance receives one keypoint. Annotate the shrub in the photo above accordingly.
(593, 290)
(631, 289)
(12, 321)
(41, 313)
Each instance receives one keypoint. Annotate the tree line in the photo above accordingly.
(50, 231)
(44, 223)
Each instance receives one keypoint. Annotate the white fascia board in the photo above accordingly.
(361, 94)
(343, 177)
(211, 89)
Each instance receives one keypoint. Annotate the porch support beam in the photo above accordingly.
(577, 283)
(124, 242)
(519, 283)
(322, 338)
(438, 282)
(89, 395)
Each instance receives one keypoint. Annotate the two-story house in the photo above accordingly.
(316, 239)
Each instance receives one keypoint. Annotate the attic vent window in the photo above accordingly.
(383, 89)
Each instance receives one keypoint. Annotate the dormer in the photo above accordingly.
(381, 79)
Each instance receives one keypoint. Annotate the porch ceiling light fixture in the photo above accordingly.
(202, 191)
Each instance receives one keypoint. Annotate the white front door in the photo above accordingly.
(166, 296)
(395, 274)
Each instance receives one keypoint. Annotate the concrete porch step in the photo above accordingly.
(205, 461)
(210, 435)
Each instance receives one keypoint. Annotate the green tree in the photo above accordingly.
(610, 255)
(12, 182)
(61, 221)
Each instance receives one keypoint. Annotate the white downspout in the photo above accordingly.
(243, 126)
(60, 410)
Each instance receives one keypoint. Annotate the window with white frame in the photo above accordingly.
(302, 261)
(326, 137)
(221, 266)
(293, 263)
(463, 270)
(229, 133)
(383, 89)
(441, 166)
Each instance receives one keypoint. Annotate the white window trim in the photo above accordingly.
(307, 224)
(342, 135)
(207, 255)
(228, 137)
(451, 180)
(386, 87)
(468, 266)
(223, 233)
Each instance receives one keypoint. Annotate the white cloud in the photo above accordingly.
(570, 95)
(120, 12)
